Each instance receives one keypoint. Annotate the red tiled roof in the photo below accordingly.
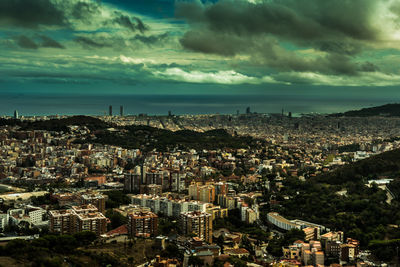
(237, 251)
(122, 230)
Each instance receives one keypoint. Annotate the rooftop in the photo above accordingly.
(61, 212)
(91, 216)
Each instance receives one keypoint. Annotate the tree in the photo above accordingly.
(247, 244)
(195, 261)
(166, 226)
(85, 238)
(116, 198)
(130, 261)
(275, 247)
(116, 218)
(220, 242)
(293, 235)
(171, 251)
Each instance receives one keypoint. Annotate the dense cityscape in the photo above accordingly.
(199, 133)
(220, 198)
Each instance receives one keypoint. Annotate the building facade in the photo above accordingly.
(62, 222)
(78, 219)
(142, 223)
(198, 224)
(96, 199)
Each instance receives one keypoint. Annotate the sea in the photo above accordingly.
(155, 104)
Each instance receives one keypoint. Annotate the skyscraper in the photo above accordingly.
(132, 182)
(16, 115)
(110, 110)
(121, 111)
(248, 110)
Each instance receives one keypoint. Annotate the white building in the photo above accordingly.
(4, 220)
(36, 216)
(168, 207)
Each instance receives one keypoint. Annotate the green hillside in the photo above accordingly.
(362, 212)
(388, 110)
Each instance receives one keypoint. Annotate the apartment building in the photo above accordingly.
(142, 223)
(78, 219)
(311, 233)
(197, 223)
(93, 221)
(127, 209)
(226, 201)
(132, 182)
(62, 221)
(332, 236)
(166, 206)
(204, 193)
(216, 211)
(281, 222)
(97, 199)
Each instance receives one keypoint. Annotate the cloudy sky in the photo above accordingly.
(177, 47)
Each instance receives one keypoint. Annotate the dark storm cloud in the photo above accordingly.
(39, 40)
(243, 18)
(293, 19)
(338, 64)
(26, 42)
(273, 56)
(90, 43)
(192, 11)
(338, 28)
(150, 39)
(210, 42)
(48, 42)
(85, 10)
(93, 41)
(132, 24)
(89, 75)
(30, 13)
(340, 47)
(35, 13)
(267, 52)
(140, 25)
(369, 67)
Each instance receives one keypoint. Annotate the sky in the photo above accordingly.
(225, 47)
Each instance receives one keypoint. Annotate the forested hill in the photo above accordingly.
(149, 138)
(387, 163)
(388, 110)
(143, 137)
(57, 124)
(340, 200)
